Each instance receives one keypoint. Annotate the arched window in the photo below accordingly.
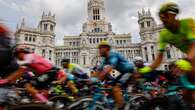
(30, 39)
(43, 52)
(96, 14)
(168, 53)
(51, 27)
(152, 51)
(45, 27)
(146, 53)
(34, 39)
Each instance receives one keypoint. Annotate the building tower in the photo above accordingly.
(96, 21)
(148, 35)
(47, 38)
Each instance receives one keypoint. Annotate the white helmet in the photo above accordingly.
(138, 58)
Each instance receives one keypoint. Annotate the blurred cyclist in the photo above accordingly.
(179, 33)
(45, 72)
(112, 60)
(9, 69)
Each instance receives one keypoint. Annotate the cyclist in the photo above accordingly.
(9, 68)
(74, 69)
(74, 72)
(113, 60)
(45, 72)
(179, 33)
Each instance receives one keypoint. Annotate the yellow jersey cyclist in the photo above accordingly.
(74, 69)
(74, 72)
(179, 33)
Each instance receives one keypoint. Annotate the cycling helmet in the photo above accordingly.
(138, 58)
(65, 60)
(104, 43)
(169, 7)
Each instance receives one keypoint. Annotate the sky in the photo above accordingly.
(71, 14)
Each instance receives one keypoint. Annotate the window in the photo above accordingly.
(94, 40)
(84, 60)
(26, 38)
(168, 54)
(124, 41)
(142, 25)
(30, 39)
(146, 53)
(33, 39)
(45, 27)
(152, 51)
(43, 52)
(51, 27)
(148, 23)
(101, 39)
(90, 40)
(97, 40)
(117, 42)
(120, 41)
(97, 29)
(96, 14)
(50, 54)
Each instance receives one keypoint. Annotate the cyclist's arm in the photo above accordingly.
(157, 61)
(61, 77)
(18, 73)
(108, 68)
(191, 52)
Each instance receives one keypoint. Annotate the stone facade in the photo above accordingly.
(41, 39)
(82, 49)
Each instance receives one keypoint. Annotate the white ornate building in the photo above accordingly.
(41, 39)
(82, 49)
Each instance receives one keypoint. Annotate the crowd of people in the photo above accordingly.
(17, 61)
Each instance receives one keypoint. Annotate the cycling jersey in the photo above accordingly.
(37, 63)
(77, 71)
(118, 62)
(181, 39)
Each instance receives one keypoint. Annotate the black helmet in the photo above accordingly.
(65, 60)
(5, 46)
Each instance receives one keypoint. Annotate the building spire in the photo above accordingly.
(17, 26)
(49, 13)
(23, 22)
(43, 14)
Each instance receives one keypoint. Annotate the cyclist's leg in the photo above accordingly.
(35, 93)
(118, 96)
(189, 97)
(72, 87)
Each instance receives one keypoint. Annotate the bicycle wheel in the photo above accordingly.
(84, 104)
(135, 102)
(60, 102)
(31, 107)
